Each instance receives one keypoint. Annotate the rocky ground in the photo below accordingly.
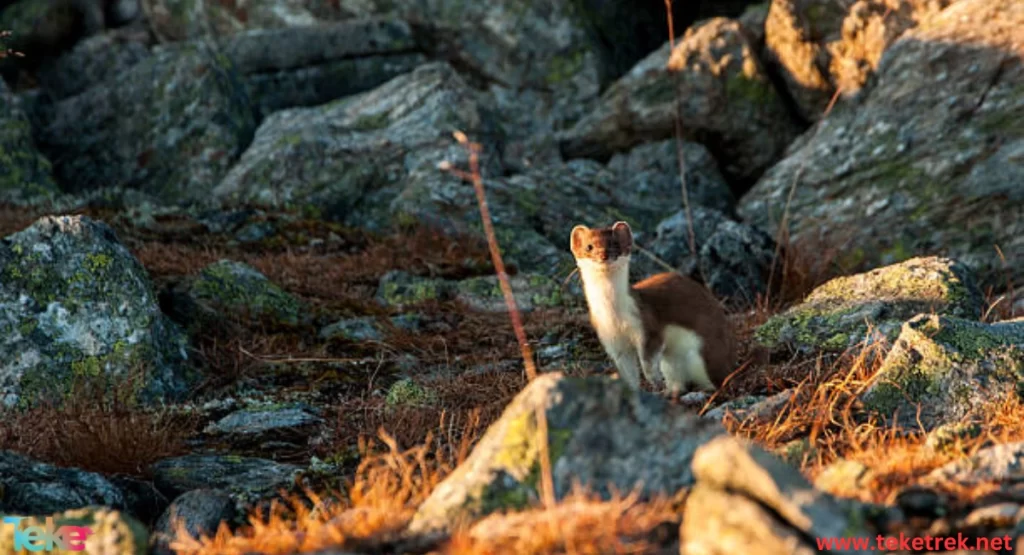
(247, 305)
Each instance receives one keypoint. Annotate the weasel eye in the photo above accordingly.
(590, 248)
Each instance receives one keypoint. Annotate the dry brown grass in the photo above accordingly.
(96, 431)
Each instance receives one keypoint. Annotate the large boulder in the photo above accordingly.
(725, 101)
(32, 487)
(820, 46)
(171, 125)
(25, 174)
(950, 368)
(310, 65)
(76, 305)
(929, 162)
(90, 62)
(346, 160)
(839, 314)
(749, 501)
(180, 20)
(598, 433)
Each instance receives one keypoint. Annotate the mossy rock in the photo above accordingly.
(950, 367)
(531, 292)
(397, 288)
(76, 306)
(237, 291)
(25, 174)
(837, 315)
(599, 434)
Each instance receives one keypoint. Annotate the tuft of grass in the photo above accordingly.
(96, 432)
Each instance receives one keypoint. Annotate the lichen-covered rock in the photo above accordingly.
(112, 532)
(247, 479)
(76, 305)
(748, 501)
(531, 292)
(346, 160)
(25, 174)
(824, 45)
(598, 433)
(264, 425)
(200, 512)
(733, 259)
(398, 288)
(89, 63)
(950, 366)
(837, 315)
(171, 125)
(311, 65)
(31, 487)
(235, 291)
(999, 463)
(727, 102)
(364, 328)
(928, 162)
(650, 173)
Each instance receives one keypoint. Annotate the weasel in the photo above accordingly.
(669, 326)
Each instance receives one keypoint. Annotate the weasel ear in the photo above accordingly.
(576, 238)
(623, 233)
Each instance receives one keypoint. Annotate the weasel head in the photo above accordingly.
(604, 249)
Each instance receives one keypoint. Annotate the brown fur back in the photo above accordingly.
(674, 299)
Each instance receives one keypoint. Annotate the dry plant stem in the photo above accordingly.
(680, 155)
(473, 149)
(782, 236)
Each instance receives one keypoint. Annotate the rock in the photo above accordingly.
(353, 329)
(1000, 515)
(727, 103)
(837, 314)
(921, 501)
(256, 425)
(171, 125)
(76, 305)
(111, 532)
(752, 408)
(311, 65)
(927, 162)
(233, 291)
(822, 45)
(946, 437)
(246, 479)
(31, 487)
(733, 259)
(90, 63)
(179, 20)
(200, 512)
(650, 173)
(746, 501)
(142, 501)
(998, 463)
(531, 292)
(950, 366)
(25, 174)
(345, 161)
(399, 289)
(598, 434)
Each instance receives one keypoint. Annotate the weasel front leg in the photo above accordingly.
(651, 362)
(627, 362)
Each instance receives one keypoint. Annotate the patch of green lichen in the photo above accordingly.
(811, 325)
(656, 90)
(406, 392)
(563, 68)
(754, 90)
(372, 122)
(413, 290)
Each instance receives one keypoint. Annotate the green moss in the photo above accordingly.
(244, 291)
(372, 122)
(754, 90)
(408, 393)
(564, 67)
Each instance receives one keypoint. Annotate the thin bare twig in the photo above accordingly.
(473, 150)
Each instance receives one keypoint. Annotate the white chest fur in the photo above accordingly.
(613, 311)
